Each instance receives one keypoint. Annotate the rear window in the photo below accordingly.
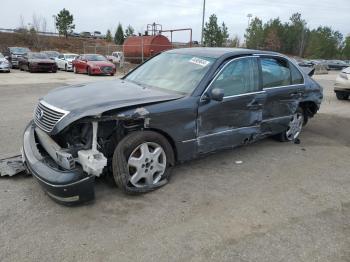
(297, 77)
(275, 72)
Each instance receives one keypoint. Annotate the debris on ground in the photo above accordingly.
(239, 162)
(12, 166)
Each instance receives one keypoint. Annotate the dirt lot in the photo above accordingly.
(285, 202)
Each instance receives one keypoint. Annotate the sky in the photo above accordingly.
(100, 15)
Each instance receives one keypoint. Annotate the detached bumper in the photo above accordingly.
(64, 186)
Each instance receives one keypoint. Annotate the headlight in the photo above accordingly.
(344, 75)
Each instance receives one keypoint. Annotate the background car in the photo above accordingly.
(51, 54)
(4, 64)
(12, 54)
(336, 64)
(93, 64)
(37, 62)
(342, 85)
(65, 61)
(119, 56)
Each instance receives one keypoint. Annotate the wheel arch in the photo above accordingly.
(168, 137)
(310, 108)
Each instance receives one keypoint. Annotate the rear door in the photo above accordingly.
(284, 87)
(236, 119)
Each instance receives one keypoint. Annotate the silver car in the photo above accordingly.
(4, 64)
(342, 85)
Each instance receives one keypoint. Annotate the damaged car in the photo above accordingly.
(175, 107)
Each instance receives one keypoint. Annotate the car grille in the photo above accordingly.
(48, 65)
(47, 116)
(107, 69)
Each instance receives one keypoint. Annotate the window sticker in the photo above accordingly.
(199, 61)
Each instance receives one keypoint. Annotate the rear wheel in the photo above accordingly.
(342, 96)
(294, 127)
(142, 162)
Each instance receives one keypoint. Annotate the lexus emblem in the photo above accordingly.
(40, 114)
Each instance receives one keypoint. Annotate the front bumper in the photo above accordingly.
(44, 68)
(64, 186)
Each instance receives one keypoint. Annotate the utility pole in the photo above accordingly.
(54, 23)
(203, 17)
(249, 17)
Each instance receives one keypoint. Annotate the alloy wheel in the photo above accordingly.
(295, 126)
(146, 164)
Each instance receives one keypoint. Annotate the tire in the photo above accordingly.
(295, 127)
(88, 70)
(342, 96)
(112, 74)
(65, 68)
(54, 71)
(30, 70)
(126, 150)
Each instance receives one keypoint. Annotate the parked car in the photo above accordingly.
(86, 34)
(4, 64)
(65, 61)
(51, 54)
(37, 62)
(98, 35)
(175, 107)
(12, 54)
(336, 64)
(119, 57)
(342, 85)
(93, 64)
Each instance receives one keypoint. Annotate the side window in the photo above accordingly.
(297, 77)
(239, 77)
(275, 72)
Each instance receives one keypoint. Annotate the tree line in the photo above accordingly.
(64, 24)
(292, 38)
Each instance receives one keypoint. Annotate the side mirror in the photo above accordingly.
(217, 94)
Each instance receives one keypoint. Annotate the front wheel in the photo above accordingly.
(294, 127)
(142, 162)
(342, 96)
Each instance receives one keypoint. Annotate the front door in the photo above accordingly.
(236, 119)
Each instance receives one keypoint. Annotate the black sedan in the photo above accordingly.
(36, 62)
(175, 107)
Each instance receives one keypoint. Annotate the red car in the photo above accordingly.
(93, 64)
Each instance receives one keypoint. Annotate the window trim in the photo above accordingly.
(222, 69)
(286, 59)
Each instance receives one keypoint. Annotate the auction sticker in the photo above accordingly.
(199, 61)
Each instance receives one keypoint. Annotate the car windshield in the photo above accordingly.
(19, 50)
(175, 72)
(70, 56)
(51, 53)
(37, 56)
(95, 58)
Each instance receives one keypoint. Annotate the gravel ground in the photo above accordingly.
(285, 202)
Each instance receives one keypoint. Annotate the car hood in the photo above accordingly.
(41, 61)
(96, 98)
(3, 60)
(100, 63)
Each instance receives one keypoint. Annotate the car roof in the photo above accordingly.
(216, 52)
